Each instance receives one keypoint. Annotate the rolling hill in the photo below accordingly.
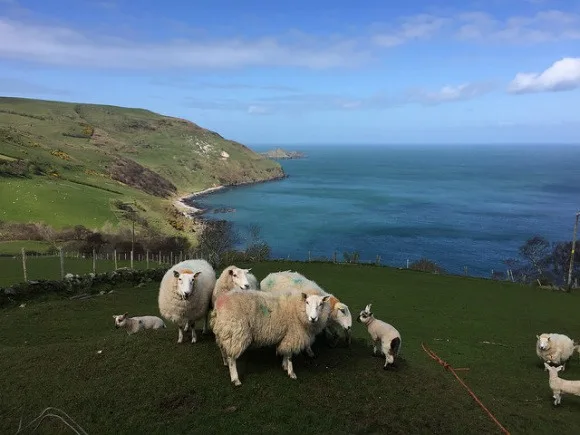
(66, 164)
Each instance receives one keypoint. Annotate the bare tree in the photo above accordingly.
(216, 239)
(536, 251)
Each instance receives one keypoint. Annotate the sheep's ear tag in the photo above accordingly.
(176, 274)
(196, 275)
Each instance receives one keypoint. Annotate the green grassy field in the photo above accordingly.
(14, 247)
(49, 267)
(147, 383)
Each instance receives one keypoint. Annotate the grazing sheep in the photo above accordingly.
(559, 385)
(185, 294)
(555, 348)
(136, 324)
(231, 278)
(254, 318)
(340, 316)
(386, 339)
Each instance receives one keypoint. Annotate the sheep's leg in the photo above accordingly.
(223, 352)
(193, 335)
(234, 372)
(180, 334)
(331, 337)
(205, 324)
(290, 367)
(376, 347)
(309, 352)
(284, 363)
(557, 397)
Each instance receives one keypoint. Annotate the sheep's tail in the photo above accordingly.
(395, 345)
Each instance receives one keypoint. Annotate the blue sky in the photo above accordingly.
(265, 72)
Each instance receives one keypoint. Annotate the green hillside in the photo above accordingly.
(66, 163)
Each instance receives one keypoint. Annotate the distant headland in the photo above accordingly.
(279, 153)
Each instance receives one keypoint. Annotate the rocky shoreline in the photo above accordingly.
(187, 205)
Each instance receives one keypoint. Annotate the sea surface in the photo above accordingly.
(457, 205)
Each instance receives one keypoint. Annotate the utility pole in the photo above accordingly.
(572, 253)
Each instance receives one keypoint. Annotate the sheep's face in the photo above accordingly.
(185, 283)
(314, 305)
(343, 316)
(543, 342)
(552, 368)
(240, 278)
(366, 314)
(120, 320)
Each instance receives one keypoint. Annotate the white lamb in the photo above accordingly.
(185, 295)
(340, 316)
(136, 324)
(559, 385)
(254, 318)
(231, 278)
(386, 339)
(555, 348)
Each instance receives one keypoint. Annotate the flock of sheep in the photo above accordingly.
(289, 311)
(285, 309)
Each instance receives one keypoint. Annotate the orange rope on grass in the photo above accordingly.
(448, 366)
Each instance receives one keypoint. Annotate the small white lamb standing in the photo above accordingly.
(555, 348)
(559, 385)
(254, 318)
(231, 278)
(386, 339)
(136, 324)
(185, 295)
(340, 317)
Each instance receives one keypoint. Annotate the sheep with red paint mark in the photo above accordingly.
(185, 295)
(244, 318)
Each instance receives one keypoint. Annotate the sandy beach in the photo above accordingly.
(180, 205)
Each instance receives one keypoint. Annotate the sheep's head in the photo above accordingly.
(365, 315)
(314, 305)
(239, 277)
(342, 316)
(185, 282)
(543, 341)
(120, 320)
(553, 369)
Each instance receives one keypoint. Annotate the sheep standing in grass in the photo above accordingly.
(555, 348)
(231, 278)
(185, 294)
(136, 324)
(340, 317)
(255, 318)
(559, 385)
(386, 339)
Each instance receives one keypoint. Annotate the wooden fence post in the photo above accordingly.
(147, 258)
(61, 263)
(115, 255)
(94, 261)
(132, 259)
(24, 265)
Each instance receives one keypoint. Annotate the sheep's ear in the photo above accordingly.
(125, 315)
(325, 298)
(559, 368)
(304, 296)
(176, 274)
(196, 275)
(537, 336)
(368, 307)
(114, 317)
(247, 270)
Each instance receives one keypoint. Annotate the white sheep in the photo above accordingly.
(386, 339)
(232, 277)
(559, 385)
(340, 316)
(136, 324)
(185, 295)
(254, 318)
(253, 281)
(555, 348)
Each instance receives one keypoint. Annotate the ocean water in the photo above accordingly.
(457, 205)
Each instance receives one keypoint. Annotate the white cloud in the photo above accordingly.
(67, 47)
(563, 75)
(421, 26)
(450, 93)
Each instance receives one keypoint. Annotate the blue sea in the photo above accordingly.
(460, 206)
